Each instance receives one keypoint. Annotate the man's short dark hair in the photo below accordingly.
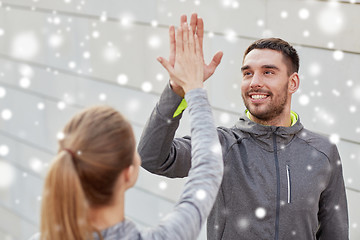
(277, 44)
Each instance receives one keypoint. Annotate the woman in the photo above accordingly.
(97, 162)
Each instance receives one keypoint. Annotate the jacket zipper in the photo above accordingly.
(277, 188)
(288, 184)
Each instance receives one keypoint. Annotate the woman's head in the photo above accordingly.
(103, 145)
(97, 147)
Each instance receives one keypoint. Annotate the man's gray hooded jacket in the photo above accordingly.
(278, 183)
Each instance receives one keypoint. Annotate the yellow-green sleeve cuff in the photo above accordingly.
(182, 106)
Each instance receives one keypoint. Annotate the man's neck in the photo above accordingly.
(281, 121)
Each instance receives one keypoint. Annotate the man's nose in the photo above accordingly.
(256, 81)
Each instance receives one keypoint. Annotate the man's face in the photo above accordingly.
(264, 88)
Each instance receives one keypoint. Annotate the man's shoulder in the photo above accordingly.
(232, 134)
(321, 143)
(309, 136)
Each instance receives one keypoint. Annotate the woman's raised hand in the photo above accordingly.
(188, 70)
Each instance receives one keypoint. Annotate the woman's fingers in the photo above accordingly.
(179, 41)
(185, 28)
(172, 45)
(191, 40)
(198, 47)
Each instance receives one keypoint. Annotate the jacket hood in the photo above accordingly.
(263, 135)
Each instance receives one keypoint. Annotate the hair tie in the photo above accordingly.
(71, 152)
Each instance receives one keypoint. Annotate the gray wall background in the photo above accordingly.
(59, 56)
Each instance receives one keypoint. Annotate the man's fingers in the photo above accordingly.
(172, 45)
(193, 22)
(166, 64)
(197, 46)
(200, 30)
(215, 61)
(183, 19)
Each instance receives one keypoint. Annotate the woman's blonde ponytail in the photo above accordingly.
(64, 210)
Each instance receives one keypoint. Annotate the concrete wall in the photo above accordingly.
(57, 57)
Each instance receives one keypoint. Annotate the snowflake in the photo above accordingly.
(162, 185)
(7, 175)
(200, 194)
(334, 138)
(2, 92)
(304, 13)
(304, 100)
(154, 41)
(224, 118)
(4, 150)
(86, 55)
(154, 23)
(102, 96)
(95, 34)
(6, 114)
(24, 82)
(25, 45)
(230, 35)
(36, 165)
(60, 135)
(243, 223)
(146, 86)
(330, 20)
(72, 64)
(338, 55)
(260, 213)
(122, 79)
(314, 69)
(61, 105)
(284, 14)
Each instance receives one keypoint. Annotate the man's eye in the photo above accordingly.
(247, 73)
(268, 72)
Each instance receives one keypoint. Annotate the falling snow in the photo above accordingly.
(330, 20)
(334, 138)
(7, 175)
(25, 45)
(37, 59)
(122, 79)
(4, 150)
(243, 224)
(338, 55)
(2, 92)
(200, 194)
(304, 13)
(163, 185)
(147, 86)
(6, 114)
(260, 212)
(60, 135)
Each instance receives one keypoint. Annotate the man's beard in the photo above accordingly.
(273, 110)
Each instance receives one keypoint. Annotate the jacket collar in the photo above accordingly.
(263, 135)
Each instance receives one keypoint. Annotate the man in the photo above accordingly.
(281, 181)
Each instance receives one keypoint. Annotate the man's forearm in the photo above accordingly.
(159, 151)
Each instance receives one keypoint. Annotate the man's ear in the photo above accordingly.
(294, 82)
